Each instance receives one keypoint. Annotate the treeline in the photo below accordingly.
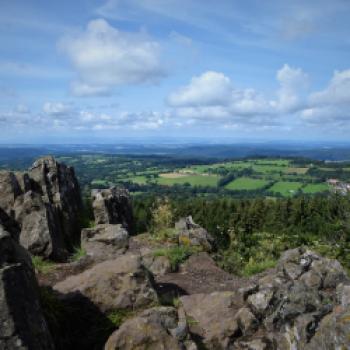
(249, 231)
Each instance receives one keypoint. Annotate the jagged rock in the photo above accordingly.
(152, 329)
(10, 190)
(212, 317)
(260, 301)
(104, 241)
(40, 227)
(22, 324)
(333, 331)
(121, 283)
(60, 187)
(113, 206)
(46, 204)
(191, 234)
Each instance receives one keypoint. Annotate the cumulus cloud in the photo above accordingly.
(213, 96)
(292, 82)
(105, 57)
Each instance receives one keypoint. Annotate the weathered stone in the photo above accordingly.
(104, 241)
(212, 317)
(158, 265)
(41, 231)
(343, 294)
(46, 204)
(150, 330)
(22, 324)
(60, 187)
(113, 206)
(260, 301)
(246, 320)
(191, 234)
(333, 331)
(121, 283)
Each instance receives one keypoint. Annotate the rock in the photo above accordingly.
(158, 265)
(46, 204)
(113, 206)
(186, 223)
(41, 231)
(22, 324)
(333, 331)
(212, 317)
(122, 283)
(343, 294)
(59, 186)
(10, 190)
(191, 234)
(247, 321)
(104, 241)
(260, 301)
(150, 330)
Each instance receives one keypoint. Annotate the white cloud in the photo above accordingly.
(213, 96)
(209, 89)
(337, 92)
(293, 81)
(56, 108)
(105, 57)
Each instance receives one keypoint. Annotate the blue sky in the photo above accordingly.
(98, 71)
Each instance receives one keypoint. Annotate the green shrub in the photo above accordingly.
(253, 268)
(79, 252)
(176, 255)
(41, 265)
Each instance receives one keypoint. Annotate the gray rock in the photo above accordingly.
(22, 324)
(113, 206)
(150, 330)
(122, 283)
(104, 241)
(46, 204)
(191, 234)
(212, 317)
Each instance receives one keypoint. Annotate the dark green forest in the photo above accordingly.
(250, 234)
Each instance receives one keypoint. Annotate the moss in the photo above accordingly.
(117, 317)
(41, 265)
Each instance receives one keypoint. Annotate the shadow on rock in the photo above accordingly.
(74, 321)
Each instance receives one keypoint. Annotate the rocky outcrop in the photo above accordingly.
(304, 304)
(46, 204)
(122, 283)
(113, 206)
(191, 234)
(104, 241)
(156, 328)
(22, 324)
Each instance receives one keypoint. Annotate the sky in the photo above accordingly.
(246, 70)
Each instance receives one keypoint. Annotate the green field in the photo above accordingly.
(246, 183)
(286, 188)
(193, 180)
(315, 188)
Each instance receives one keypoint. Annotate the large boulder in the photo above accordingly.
(122, 283)
(104, 241)
(59, 186)
(157, 328)
(22, 324)
(215, 318)
(46, 204)
(113, 206)
(191, 234)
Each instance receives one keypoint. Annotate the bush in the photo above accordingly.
(176, 255)
(162, 216)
